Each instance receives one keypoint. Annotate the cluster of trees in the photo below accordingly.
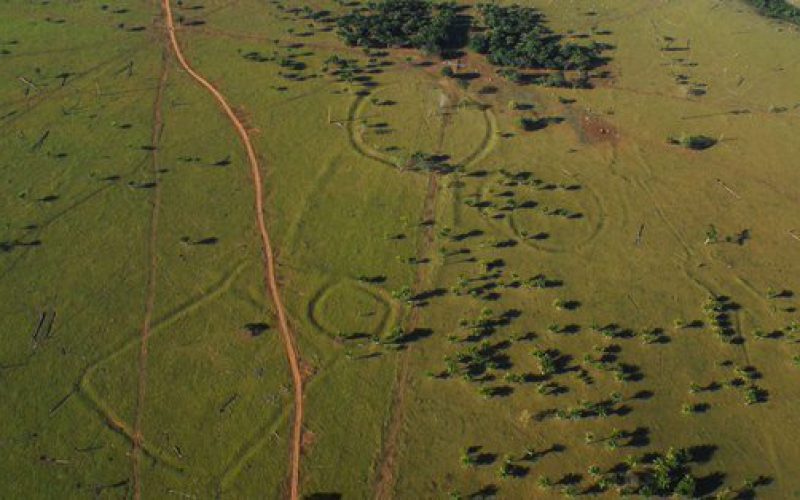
(668, 474)
(513, 36)
(779, 9)
(401, 23)
(517, 36)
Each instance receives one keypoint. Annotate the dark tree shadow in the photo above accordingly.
(256, 329)
(706, 485)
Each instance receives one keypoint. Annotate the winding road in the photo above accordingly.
(269, 259)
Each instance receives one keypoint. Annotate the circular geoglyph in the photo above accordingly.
(395, 122)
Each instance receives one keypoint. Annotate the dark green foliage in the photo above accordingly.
(668, 474)
(517, 36)
(511, 75)
(778, 9)
(696, 142)
(401, 23)
(556, 79)
(479, 43)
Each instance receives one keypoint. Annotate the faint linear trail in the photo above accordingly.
(387, 466)
(387, 461)
(137, 436)
(269, 260)
(386, 470)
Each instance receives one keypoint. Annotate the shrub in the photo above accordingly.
(695, 142)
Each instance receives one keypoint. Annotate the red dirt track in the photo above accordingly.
(269, 259)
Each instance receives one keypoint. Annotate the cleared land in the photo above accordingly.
(490, 287)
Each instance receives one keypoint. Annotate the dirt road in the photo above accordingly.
(269, 260)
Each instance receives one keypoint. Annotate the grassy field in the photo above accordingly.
(480, 310)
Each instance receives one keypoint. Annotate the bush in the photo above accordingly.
(696, 142)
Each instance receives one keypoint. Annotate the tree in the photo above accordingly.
(686, 486)
(479, 43)
(468, 458)
(556, 79)
(403, 293)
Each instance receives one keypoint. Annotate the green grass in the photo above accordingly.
(616, 221)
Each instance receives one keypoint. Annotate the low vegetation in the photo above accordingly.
(528, 290)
